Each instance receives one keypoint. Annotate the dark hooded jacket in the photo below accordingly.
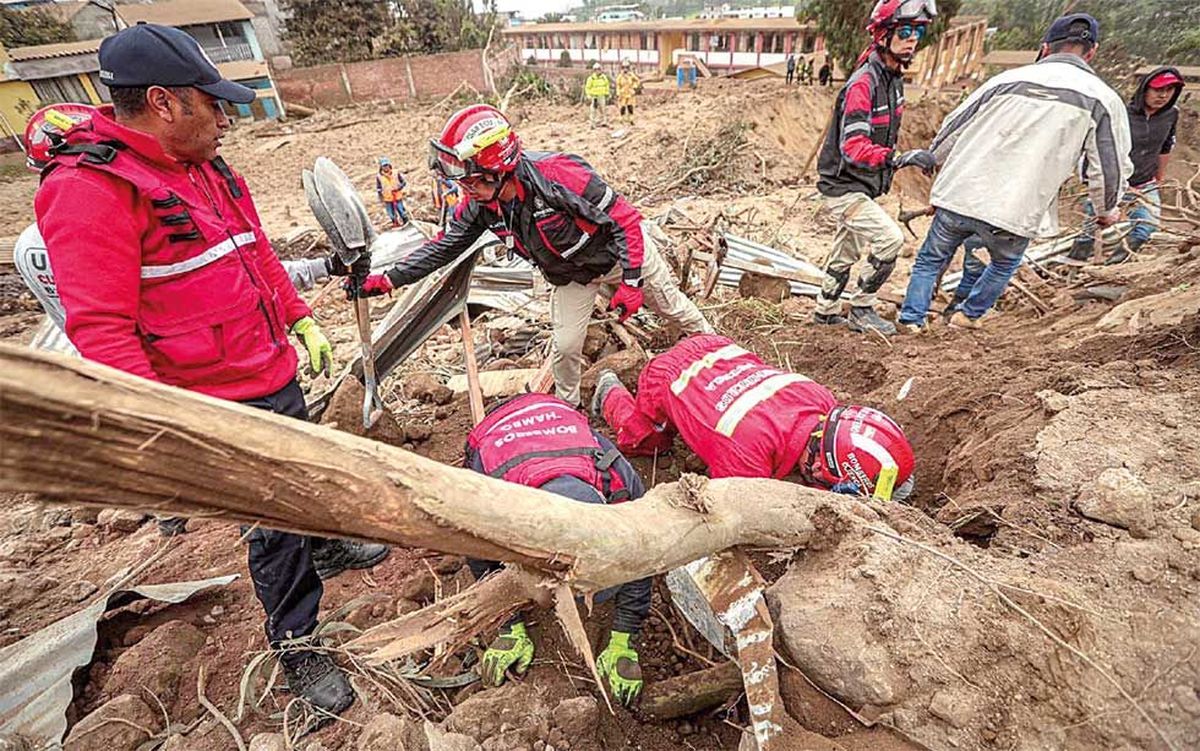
(1154, 135)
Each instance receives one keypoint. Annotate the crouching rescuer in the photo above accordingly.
(554, 211)
(745, 418)
(541, 441)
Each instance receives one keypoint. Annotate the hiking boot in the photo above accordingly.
(830, 319)
(606, 382)
(171, 526)
(315, 678)
(332, 557)
(1119, 255)
(960, 321)
(1082, 249)
(864, 320)
(915, 329)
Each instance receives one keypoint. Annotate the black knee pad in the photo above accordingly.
(840, 278)
(879, 273)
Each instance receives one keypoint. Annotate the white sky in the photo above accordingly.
(532, 9)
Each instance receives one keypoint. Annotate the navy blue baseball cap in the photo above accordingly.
(151, 55)
(1077, 27)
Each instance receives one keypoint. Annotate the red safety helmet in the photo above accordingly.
(476, 140)
(889, 15)
(47, 127)
(864, 446)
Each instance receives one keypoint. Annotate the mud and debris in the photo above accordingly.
(1056, 458)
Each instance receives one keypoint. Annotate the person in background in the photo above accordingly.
(628, 84)
(597, 89)
(791, 70)
(445, 197)
(389, 186)
(1153, 117)
(826, 74)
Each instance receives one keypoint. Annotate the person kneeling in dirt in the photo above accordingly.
(556, 212)
(541, 441)
(859, 159)
(164, 272)
(745, 418)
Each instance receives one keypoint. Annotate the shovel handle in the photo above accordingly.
(372, 404)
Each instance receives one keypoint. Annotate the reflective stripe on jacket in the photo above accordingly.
(743, 417)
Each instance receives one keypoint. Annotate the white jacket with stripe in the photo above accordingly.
(1007, 149)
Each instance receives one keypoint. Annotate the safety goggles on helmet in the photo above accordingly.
(916, 10)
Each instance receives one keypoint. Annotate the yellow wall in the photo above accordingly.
(17, 103)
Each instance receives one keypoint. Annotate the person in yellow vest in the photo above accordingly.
(445, 198)
(389, 186)
(628, 84)
(597, 90)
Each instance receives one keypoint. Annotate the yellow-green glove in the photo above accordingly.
(618, 664)
(512, 649)
(320, 354)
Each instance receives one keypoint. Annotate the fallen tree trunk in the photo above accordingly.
(79, 432)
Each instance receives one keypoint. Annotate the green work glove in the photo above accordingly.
(618, 664)
(512, 649)
(320, 354)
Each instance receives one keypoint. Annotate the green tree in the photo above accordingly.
(25, 28)
(321, 31)
(427, 26)
(843, 23)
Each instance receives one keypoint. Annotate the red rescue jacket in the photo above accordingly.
(534, 438)
(712, 391)
(163, 267)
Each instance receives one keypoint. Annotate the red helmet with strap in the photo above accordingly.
(864, 446)
(47, 127)
(476, 140)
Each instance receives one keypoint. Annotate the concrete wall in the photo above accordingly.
(419, 77)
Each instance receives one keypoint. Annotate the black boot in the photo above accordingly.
(1122, 253)
(313, 677)
(864, 320)
(1082, 249)
(332, 557)
(830, 319)
(171, 526)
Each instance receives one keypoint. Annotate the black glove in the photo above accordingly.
(359, 269)
(922, 158)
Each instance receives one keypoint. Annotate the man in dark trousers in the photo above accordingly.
(540, 441)
(859, 159)
(1152, 120)
(164, 272)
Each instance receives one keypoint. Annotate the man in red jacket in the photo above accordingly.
(554, 211)
(745, 418)
(164, 272)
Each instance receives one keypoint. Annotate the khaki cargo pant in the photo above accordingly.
(571, 308)
(863, 226)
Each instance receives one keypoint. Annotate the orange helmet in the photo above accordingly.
(477, 139)
(864, 446)
(48, 126)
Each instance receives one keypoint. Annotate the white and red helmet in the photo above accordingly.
(864, 446)
(47, 127)
(476, 140)
(888, 14)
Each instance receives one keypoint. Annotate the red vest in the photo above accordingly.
(209, 318)
(534, 438)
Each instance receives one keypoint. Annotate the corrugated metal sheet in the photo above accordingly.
(35, 673)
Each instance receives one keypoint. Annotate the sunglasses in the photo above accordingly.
(907, 32)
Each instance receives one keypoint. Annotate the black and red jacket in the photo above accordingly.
(857, 154)
(566, 221)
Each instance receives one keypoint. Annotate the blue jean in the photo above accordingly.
(948, 231)
(1146, 213)
(395, 211)
(973, 268)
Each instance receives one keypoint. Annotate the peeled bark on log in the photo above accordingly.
(690, 693)
(79, 432)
